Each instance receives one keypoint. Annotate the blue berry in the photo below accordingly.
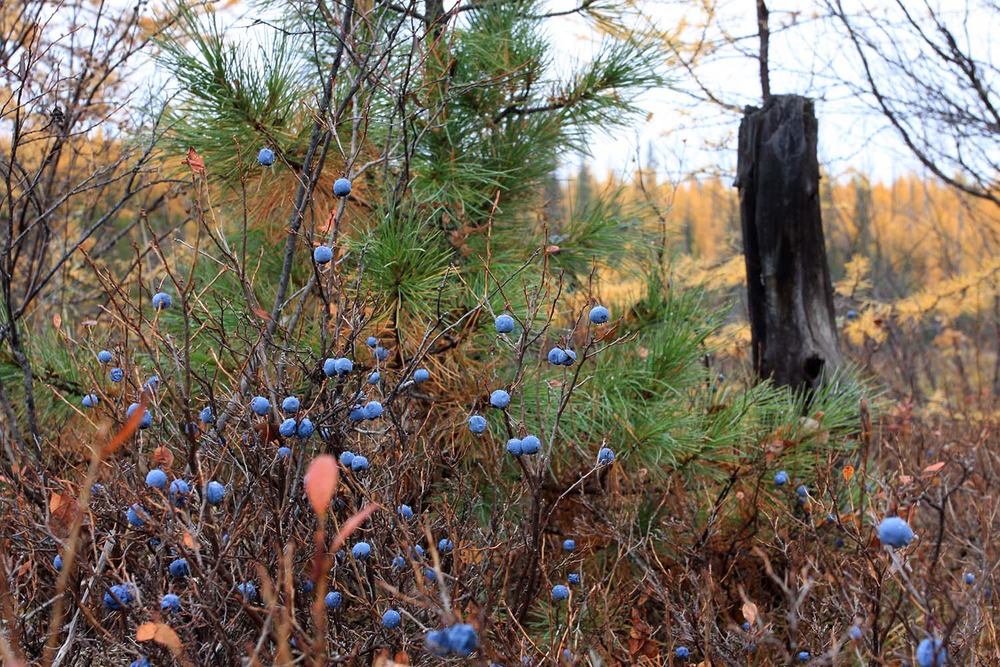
(346, 457)
(265, 157)
(178, 491)
(305, 429)
(215, 493)
(560, 592)
(147, 417)
(116, 374)
(380, 353)
(418, 551)
(322, 254)
(462, 639)
(330, 367)
(290, 405)
(573, 578)
(90, 401)
(599, 315)
(421, 375)
(477, 424)
(851, 314)
(514, 447)
(136, 515)
(895, 532)
(359, 463)
(569, 545)
(499, 399)
(248, 591)
(970, 578)
(139, 662)
(445, 545)
(343, 366)
(342, 187)
(333, 600)
(531, 445)
(438, 642)
(605, 456)
(206, 415)
(156, 479)
(104, 357)
(430, 574)
(179, 568)
(153, 383)
(118, 597)
(287, 428)
(161, 301)
(746, 626)
(361, 550)
(504, 324)
(373, 377)
(570, 357)
(170, 602)
(284, 453)
(371, 341)
(803, 491)
(682, 652)
(391, 619)
(260, 405)
(405, 511)
(931, 653)
(803, 656)
(854, 633)
(398, 562)
(373, 410)
(357, 413)
(557, 356)
(781, 478)
(57, 562)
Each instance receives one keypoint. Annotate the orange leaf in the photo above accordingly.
(189, 540)
(63, 511)
(321, 482)
(194, 161)
(848, 473)
(750, 612)
(163, 457)
(161, 633)
(57, 321)
(931, 469)
(351, 525)
(552, 249)
(130, 427)
(145, 632)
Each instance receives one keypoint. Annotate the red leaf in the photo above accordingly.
(351, 525)
(261, 313)
(194, 161)
(933, 468)
(321, 482)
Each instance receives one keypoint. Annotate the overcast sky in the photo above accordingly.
(808, 56)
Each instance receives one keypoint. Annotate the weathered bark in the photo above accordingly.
(788, 280)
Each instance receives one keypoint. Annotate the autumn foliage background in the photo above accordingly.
(468, 200)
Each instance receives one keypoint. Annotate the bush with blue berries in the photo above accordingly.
(517, 464)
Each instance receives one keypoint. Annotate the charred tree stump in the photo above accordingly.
(788, 280)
